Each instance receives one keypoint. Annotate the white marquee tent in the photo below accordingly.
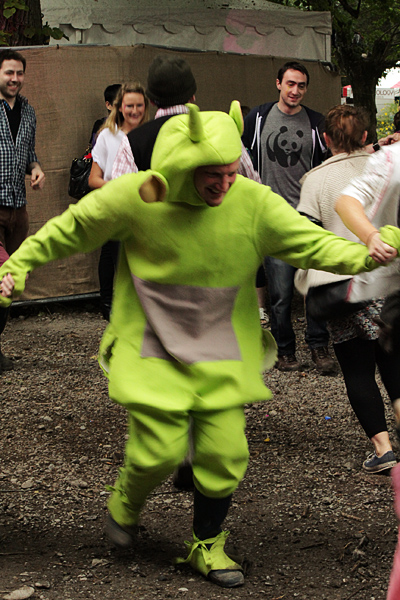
(256, 27)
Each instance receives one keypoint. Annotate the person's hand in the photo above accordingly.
(7, 286)
(382, 253)
(389, 139)
(37, 178)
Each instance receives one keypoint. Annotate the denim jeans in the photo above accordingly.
(280, 278)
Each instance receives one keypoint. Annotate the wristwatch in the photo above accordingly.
(376, 146)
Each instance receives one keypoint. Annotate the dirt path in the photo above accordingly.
(307, 522)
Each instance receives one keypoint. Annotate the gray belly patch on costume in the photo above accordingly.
(188, 323)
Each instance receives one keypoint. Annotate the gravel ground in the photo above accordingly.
(306, 521)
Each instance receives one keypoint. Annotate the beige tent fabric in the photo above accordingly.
(256, 27)
(65, 86)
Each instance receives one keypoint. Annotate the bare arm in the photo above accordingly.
(96, 176)
(351, 211)
(385, 141)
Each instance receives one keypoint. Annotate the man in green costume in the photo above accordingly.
(184, 337)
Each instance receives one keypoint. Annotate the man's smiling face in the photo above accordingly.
(292, 90)
(214, 181)
(12, 77)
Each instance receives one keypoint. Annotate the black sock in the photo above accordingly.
(209, 514)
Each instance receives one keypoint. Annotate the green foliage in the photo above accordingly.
(39, 33)
(384, 124)
(46, 32)
(363, 30)
(11, 7)
(365, 42)
(4, 38)
(54, 32)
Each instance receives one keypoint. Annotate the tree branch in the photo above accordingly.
(353, 12)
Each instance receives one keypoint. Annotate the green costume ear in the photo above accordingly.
(196, 131)
(236, 113)
(153, 189)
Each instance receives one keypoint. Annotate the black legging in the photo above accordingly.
(3, 318)
(358, 360)
(107, 267)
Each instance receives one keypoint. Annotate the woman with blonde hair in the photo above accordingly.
(130, 110)
(355, 337)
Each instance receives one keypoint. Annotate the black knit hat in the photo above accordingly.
(170, 81)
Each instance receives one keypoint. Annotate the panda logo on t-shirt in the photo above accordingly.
(284, 149)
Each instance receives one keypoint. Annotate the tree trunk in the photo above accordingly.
(363, 73)
(364, 91)
(19, 21)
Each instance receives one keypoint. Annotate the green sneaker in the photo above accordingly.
(209, 558)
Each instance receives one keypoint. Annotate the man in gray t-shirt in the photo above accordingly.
(286, 143)
(284, 139)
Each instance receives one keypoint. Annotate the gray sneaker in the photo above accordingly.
(121, 537)
(376, 464)
(6, 364)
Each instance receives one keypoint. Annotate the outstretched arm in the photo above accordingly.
(285, 234)
(83, 227)
(59, 238)
(351, 211)
(384, 141)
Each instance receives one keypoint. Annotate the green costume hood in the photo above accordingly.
(193, 140)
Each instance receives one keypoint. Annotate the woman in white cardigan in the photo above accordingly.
(355, 337)
(130, 109)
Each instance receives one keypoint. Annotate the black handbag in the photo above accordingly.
(329, 301)
(79, 175)
(389, 324)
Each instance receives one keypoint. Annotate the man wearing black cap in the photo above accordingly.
(170, 85)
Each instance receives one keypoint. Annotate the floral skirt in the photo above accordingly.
(360, 324)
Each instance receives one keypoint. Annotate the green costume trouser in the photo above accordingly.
(158, 442)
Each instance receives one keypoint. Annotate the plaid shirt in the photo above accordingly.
(16, 158)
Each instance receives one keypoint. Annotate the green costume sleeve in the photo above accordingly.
(390, 235)
(100, 216)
